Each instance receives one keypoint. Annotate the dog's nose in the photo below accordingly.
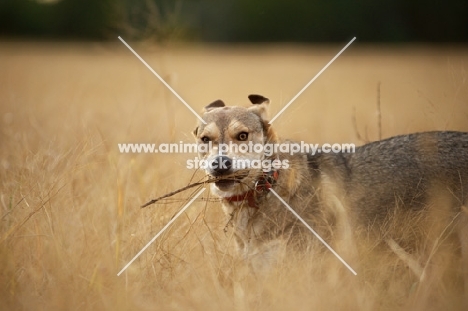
(221, 165)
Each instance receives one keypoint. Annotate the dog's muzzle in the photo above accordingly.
(221, 166)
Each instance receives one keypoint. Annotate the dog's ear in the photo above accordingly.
(195, 132)
(260, 106)
(258, 99)
(216, 104)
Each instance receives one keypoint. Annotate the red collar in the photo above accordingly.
(265, 182)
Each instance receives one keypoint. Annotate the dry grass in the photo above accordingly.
(70, 216)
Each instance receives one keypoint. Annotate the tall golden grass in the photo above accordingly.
(70, 216)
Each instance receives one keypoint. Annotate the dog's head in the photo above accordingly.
(230, 142)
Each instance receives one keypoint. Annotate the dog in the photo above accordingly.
(382, 190)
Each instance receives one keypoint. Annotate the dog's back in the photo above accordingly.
(403, 171)
(412, 189)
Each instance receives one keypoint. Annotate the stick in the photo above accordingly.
(210, 180)
(170, 194)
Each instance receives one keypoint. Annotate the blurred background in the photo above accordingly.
(237, 20)
(70, 92)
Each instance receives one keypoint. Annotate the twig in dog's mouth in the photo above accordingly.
(236, 178)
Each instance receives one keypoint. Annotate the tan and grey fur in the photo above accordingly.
(420, 178)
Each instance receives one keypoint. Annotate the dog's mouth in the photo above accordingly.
(229, 181)
(225, 183)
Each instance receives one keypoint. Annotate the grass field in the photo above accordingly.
(70, 216)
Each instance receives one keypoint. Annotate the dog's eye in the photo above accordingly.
(243, 136)
(205, 139)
